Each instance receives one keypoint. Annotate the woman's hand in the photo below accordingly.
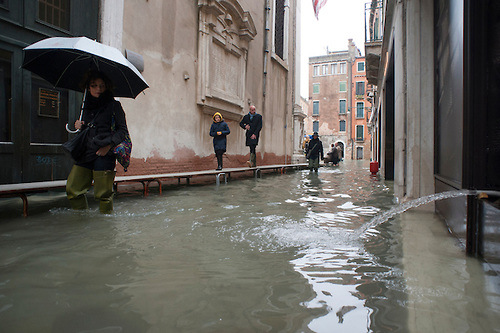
(103, 150)
(79, 124)
(219, 133)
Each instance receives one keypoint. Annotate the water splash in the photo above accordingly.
(379, 219)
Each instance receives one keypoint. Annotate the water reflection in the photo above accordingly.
(278, 254)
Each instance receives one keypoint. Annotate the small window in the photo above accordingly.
(376, 32)
(316, 70)
(342, 126)
(315, 88)
(54, 12)
(342, 106)
(360, 110)
(360, 132)
(360, 88)
(316, 126)
(342, 86)
(361, 66)
(315, 108)
(279, 29)
(324, 70)
(342, 68)
(359, 153)
(334, 69)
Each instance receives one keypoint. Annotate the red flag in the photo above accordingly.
(317, 4)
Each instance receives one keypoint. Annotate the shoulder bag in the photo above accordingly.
(75, 147)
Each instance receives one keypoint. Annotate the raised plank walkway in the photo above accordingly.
(23, 189)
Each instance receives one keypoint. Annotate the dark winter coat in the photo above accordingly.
(220, 141)
(315, 149)
(100, 133)
(335, 155)
(255, 127)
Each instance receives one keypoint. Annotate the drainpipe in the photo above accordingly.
(349, 98)
(287, 103)
(266, 50)
(267, 10)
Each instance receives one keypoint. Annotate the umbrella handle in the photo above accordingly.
(81, 114)
(71, 131)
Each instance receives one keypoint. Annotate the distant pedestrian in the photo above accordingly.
(219, 130)
(314, 152)
(305, 144)
(252, 123)
(329, 157)
(335, 154)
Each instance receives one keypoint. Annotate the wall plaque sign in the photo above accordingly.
(48, 103)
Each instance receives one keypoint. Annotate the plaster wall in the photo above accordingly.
(414, 98)
(420, 122)
(164, 120)
(111, 23)
(169, 128)
(400, 116)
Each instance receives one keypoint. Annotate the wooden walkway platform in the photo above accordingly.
(23, 189)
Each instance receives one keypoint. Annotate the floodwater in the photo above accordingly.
(282, 253)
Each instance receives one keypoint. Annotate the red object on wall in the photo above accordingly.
(374, 167)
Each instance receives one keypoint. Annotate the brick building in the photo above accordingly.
(339, 101)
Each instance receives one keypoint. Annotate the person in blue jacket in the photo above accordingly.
(219, 130)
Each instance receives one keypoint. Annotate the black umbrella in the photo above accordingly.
(64, 61)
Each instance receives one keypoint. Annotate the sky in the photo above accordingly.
(338, 21)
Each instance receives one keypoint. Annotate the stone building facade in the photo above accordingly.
(209, 56)
(198, 57)
(436, 70)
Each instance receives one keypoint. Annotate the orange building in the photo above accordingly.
(361, 107)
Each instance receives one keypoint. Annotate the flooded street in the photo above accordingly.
(274, 254)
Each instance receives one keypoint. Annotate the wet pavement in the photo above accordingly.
(282, 253)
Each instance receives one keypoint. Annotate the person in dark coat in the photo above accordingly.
(97, 162)
(314, 151)
(335, 154)
(252, 123)
(219, 130)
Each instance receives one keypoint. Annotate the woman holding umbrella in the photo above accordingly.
(101, 112)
